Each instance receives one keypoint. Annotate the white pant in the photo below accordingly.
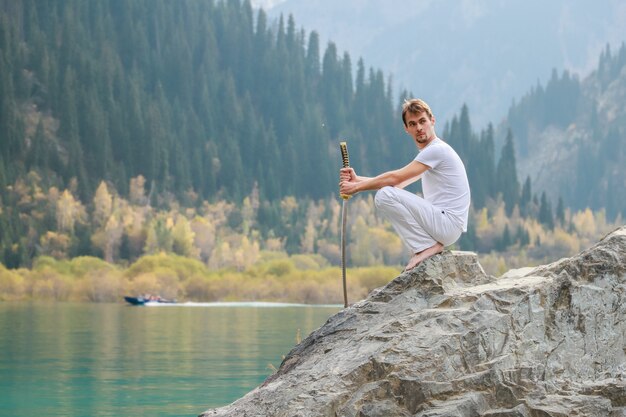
(419, 223)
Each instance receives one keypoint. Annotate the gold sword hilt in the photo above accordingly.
(345, 160)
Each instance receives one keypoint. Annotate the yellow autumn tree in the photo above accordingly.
(363, 251)
(307, 243)
(183, 238)
(204, 237)
(68, 211)
(159, 235)
(54, 244)
(113, 232)
(248, 214)
(102, 205)
(584, 222)
(246, 254)
(222, 256)
(137, 191)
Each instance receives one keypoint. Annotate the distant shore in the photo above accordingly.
(278, 280)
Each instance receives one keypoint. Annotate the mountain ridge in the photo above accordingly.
(483, 54)
(571, 136)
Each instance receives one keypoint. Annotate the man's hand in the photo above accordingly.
(348, 181)
(347, 174)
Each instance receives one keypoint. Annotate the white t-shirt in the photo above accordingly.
(445, 184)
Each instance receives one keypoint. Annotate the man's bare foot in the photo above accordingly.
(425, 254)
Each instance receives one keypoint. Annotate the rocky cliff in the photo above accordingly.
(447, 340)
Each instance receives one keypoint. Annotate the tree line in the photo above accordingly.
(220, 251)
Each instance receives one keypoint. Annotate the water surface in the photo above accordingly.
(65, 359)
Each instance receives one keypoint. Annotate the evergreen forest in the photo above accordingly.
(147, 132)
(587, 118)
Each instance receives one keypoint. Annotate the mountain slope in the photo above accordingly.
(571, 136)
(483, 53)
(199, 96)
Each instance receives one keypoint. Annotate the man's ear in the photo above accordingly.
(433, 119)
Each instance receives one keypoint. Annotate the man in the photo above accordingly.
(425, 225)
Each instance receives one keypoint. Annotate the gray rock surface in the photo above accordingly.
(447, 340)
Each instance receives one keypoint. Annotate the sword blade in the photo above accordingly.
(344, 209)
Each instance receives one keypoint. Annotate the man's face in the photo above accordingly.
(421, 128)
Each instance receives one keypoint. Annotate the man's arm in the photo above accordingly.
(409, 182)
(352, 183)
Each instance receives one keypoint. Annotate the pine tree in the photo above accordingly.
(505, 240)
(3, 181)
(522, 236)
(525, 198)
(480, 165)
(545, 212)
(465, 133)
(506, 175)
(38, 153)
(312, 68)
(560, 212)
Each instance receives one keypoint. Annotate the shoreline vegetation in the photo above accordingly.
(305, 279)
(274, 277)
(282, 251)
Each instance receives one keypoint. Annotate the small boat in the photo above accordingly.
(145, 299)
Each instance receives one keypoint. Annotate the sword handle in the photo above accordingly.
(345, 160)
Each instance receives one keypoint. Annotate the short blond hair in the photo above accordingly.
(415, 106)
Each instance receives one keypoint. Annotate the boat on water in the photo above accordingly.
(146, 299)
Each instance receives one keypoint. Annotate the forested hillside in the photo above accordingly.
(195, 128)
(571, 136)
(196, 95)
(476, 52)
(201, 99)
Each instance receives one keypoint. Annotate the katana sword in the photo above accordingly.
(344, 210)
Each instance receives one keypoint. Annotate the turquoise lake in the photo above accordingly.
(66, 359)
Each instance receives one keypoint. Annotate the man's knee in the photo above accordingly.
(384, 196)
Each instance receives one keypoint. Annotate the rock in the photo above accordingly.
(447, 340)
